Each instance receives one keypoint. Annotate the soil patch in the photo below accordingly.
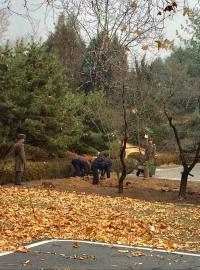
(152, 190)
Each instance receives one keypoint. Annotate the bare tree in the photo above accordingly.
(178, 93)
(3, 23)
(188, 164)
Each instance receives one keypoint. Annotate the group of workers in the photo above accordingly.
(101, 164)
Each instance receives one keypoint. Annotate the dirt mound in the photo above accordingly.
(36, 153)
(70, 155)
(79, 182)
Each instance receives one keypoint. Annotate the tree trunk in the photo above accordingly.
(183, 186)
(121, 183)
(123, 164)
(123, 143)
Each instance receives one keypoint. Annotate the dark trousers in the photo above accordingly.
(95, 174)
(77, 170)
(106, 171)
(18, 177)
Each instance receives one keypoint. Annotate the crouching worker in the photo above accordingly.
(81, 167)
(106, 167)
(102, 164)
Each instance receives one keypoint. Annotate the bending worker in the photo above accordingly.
(81, 167)
(102, 164)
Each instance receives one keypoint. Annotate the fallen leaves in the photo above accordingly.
(123, 250)
(22, 249)
(96, 218)
(75, 245)
(137, 253)
(26, 263)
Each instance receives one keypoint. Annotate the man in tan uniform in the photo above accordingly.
(20, 159)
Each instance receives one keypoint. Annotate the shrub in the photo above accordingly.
(82, 148)
(136, 155)
(130, 163)
(167, 158)
(59, 168)
(161, 158)
(110, 153)
(96, 140)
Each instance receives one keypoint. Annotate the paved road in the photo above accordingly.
(175, 173)
(86, 256)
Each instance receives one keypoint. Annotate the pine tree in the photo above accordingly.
(34, 97)
(66, 41)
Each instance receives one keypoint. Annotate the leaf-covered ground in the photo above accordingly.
(28, 214)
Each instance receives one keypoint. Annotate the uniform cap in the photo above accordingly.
(21, 136)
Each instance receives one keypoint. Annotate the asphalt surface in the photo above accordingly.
(77, 256)
(175, 173)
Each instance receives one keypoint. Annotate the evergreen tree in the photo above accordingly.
(34, 97)
(66, 41)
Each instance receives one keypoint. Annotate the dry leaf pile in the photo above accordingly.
(27, 214)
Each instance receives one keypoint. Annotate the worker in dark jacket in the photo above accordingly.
(102, 164)
(81, 167)
(20, 159)
(106, 167)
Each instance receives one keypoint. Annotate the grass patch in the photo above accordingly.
(52, 169)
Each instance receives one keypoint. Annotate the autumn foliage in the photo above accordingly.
(33, 214)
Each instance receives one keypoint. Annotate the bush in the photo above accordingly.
(136, 155)
(110, 153)
(82, 148)
(130, 163)
(5, 149)
(32, 152)
(96, 141)
(36, 153)
(59, 168)
(161, 158)
(167, 158)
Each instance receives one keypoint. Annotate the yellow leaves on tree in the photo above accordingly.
(124, 28)
(97, 55)
(126, 50)
(186, 11)
(134, 5)
(171, 7)
(139, 33)
(145, 47)
(106, 41)
(163, 45)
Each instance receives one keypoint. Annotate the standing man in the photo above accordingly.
(20, 159)
(150, 152)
